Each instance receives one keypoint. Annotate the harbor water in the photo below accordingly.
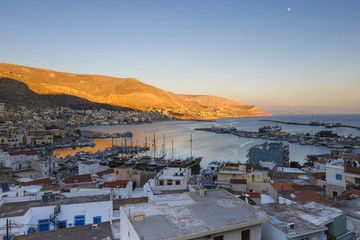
(173, 137)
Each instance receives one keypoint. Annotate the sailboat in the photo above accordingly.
(190, 162)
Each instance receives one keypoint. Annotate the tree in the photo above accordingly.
(310, 159)
(295, 164)
(78, 132)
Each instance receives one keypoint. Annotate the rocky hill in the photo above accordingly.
(15, 93)
(126, 92)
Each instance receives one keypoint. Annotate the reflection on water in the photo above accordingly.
(211, 146)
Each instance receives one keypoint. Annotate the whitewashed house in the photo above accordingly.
(55, 212)
(171, 178)
(335, 178)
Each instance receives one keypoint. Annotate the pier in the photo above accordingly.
(303, 139)
(325, 124)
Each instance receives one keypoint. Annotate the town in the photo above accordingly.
(120, 192)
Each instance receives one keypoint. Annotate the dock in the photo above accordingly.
(325, 124)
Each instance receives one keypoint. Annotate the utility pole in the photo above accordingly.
(8, 225)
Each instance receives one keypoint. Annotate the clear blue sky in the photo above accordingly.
(255, 52)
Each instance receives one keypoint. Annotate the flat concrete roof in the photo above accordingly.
(282, 216)
(83, 232)
(173, 173)
(316, 213)
(217, 211)
(20, 208)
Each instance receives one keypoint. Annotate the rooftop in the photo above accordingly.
(78, 179)
(214, 212)
(280, 186)
(289, 170)
(307, 196)
(83, 232)
(283, 215)
(29, 152)
(115, 184)
(37, 182)
(173, 173)
(20, 208)
(316, 213)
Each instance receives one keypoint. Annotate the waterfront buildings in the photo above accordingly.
(276, 152)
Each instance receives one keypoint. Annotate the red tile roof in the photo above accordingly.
(280, 186)
(253, 194)
(105, 172)
(319, 175)
(238, 181)
(40, 182)
(29, 152)
(115, 184)
(307, 196)
(307, 188)
(78, 179)
(353, 192)
(55, 187)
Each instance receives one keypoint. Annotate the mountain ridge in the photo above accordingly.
(127, 92)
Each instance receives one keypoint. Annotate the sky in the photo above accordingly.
(283, 56)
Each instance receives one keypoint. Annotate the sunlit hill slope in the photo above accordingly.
(127, 92)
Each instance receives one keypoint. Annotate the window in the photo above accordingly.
(44, 225)
(219, 237)
(357, 180)
(169, 182)
(177, 182)
(161, 182)
(97, 219)
(338, 177)
(62, 224)
(117, 172)
(245, 235)
(334, 193)
(79, 220)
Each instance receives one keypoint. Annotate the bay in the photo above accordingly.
(217, 147)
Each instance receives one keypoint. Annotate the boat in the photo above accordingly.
(267, 129)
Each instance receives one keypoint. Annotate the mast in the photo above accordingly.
(191, 145)
(146, 145)
(154, 145)
(172, 149)
(163, 147)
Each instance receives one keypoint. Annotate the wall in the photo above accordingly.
(269, 232)
(127, 231)
(258, 187)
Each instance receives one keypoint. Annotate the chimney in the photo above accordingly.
(138, 217)
(203, 192)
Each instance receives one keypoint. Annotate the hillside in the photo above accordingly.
(15, 93)
(126, 92)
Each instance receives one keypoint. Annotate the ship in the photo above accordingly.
(191, 162)
(267, 129)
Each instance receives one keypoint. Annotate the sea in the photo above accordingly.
(173, 138)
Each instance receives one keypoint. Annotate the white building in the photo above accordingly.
(119, 189)
(90, 167)
(27, 216)
(214, 214)
(21, 160)
(171, 178)
(335, 179)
